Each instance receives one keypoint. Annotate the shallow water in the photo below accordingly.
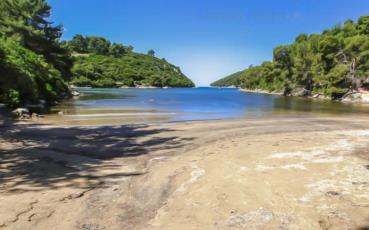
(183, 104)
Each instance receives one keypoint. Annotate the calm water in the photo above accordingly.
(126, 105)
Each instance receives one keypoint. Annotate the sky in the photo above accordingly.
(207, 39)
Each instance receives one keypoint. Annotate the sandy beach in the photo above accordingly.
(296, 172)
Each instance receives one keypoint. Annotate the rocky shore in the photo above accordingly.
(260, 91)
(360, 96)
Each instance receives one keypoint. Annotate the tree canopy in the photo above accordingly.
(100, 63)
(34, 65)
(151, 53)
(331, 63)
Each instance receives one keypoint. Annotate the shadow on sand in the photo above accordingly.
(34, 157)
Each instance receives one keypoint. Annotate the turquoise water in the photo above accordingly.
(177, 104)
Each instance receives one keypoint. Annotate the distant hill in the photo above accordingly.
(100, 63)
(231, 80)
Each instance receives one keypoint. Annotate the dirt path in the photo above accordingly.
(275, 173)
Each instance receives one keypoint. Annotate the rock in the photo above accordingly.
(303, 93)
(25, 117)
(299, 92)
(36, 116)
(332, 193)
(361, 96)
(352, 97)
(21, 113)
(364, 96)
(43, 102)
(320, 96)
(60, 113)
(75, 93)
(288, 92)
(40, 107)
(145, 87)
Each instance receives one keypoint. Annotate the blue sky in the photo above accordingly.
(208, 39)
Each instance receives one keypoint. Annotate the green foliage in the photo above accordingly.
(117, 50)
(96, 45)
(318, 62)
(231, 80)
(34, 65)
(29, 74)
(12, 98)
(119, 66)
(79, 44)
(363, 25)
(151, 53)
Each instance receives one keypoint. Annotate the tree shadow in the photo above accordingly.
(34, 157)
(5, 117)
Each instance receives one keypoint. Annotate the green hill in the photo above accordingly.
(231, 80)
(332, 63)
(98, 63)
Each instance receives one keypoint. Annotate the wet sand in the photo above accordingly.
(296, 172)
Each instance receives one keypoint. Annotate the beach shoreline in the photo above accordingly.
(286, 171)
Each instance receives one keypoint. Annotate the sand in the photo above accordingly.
(280, 172)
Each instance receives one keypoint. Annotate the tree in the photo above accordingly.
(151, 53)
(282, 56)
(329, 47)
(27, 21)
(98, 45)
(117, 50)
(34, 63)
(28, 74)
(79, 44)
(301, 38)
(363, 25)
(130, 48)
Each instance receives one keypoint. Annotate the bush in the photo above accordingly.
(12, 98)
(29, 74)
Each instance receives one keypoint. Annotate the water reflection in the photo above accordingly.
(317, 106)
(100, 96)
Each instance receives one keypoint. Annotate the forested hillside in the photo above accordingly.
(331, 63)
(100, 63)
(231, 80)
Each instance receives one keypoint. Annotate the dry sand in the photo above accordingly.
(273, 173)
